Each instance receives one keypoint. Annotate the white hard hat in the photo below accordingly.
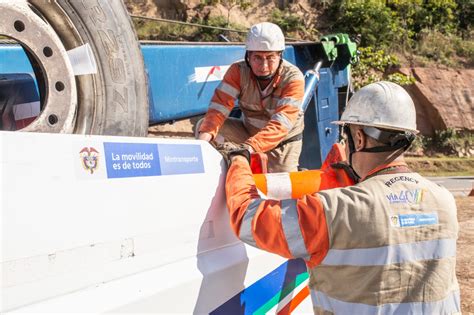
(265, 37)
(383, 105)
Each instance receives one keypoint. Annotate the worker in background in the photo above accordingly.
(269, 91)
(385, 245)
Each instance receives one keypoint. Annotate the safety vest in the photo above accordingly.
(386, 245)
(392, 248)
(257, 111)
(270, 118)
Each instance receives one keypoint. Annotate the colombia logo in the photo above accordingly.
(89, 159)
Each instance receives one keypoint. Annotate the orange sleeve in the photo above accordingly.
(222, 102)
(282, 121)
(294, 228)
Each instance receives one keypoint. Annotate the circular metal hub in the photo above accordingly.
(20, 23)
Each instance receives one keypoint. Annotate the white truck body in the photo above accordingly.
(97, 224)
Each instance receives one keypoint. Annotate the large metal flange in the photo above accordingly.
(60, 101)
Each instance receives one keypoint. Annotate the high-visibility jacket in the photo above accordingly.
(270, 118)
(385, 245)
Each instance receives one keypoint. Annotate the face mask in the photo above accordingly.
(350, 142)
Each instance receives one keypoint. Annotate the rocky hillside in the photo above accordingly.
(239, 12)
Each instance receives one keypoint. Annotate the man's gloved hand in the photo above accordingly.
(230, 149)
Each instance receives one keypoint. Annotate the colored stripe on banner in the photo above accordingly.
(268, 291)
(150, 159)
(285, 296)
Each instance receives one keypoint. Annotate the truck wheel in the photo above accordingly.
(113, 101)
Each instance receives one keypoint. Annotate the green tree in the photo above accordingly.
(371, 19)
(465, 16)
(287, 21)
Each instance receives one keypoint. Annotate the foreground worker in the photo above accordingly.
(269, 91)
(386, 245)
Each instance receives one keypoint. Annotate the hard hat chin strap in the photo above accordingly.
(393, 140)
(352, 150)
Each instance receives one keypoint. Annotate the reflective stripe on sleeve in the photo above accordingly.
(392, 254)
(283, 120)
(289, 101)
(449, 305)
(228, 89)
(221, 108)
(246, 234)
(291, 228)
(257, 123)
(278, 186)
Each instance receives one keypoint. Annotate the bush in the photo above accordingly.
(287, 21)
(448, 142)
(151, 30)
(375, 65)
(370, 19)
(446, 49)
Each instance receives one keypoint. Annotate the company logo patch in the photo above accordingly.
(89, 159)
(414, 220)
(414, 196)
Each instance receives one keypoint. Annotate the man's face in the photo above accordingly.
(264, 63)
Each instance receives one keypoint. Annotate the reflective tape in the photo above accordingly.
(221, 108)
(292, 230)
(392, 254)
(289, 101)
(228, 89)
(449, 305)
(283, 120)
(278, 186)
(246, 234)
(257, 123)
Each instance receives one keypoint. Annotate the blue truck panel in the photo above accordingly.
(182, 79)
(13, 59)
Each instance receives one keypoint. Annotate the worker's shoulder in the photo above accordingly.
(360, 193)
(290, 71)
(239, 64)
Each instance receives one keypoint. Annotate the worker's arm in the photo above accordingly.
(288, 109)
(290, 228)
(222, 103)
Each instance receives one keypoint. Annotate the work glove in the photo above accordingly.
(230, 149)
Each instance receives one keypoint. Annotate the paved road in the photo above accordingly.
(457, 185)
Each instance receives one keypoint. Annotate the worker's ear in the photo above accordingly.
(359, 139)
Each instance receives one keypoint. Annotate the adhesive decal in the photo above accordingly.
(150, 159)
(131, 159)
(287, 282)
(414, 220)
(180, 159)
(89, 159)
(208, 74)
